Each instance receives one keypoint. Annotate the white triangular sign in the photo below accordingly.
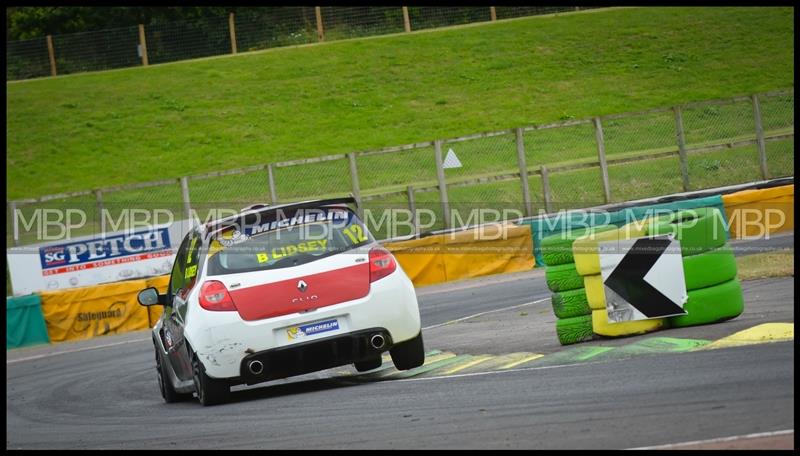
(451, 161)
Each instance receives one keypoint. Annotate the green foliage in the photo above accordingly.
(166, 121)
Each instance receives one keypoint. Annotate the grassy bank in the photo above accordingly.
(141, 124)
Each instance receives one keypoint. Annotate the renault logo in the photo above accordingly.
(302, 286)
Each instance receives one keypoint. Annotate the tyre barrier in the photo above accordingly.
(711, 305)
(585, 248)
(595, 293)
(699, 230)
(574, 330)
(542, 227)
(587, 263)
(572, 303)
(557, 248)
(563, 277)
(602, 327)
(710, 268)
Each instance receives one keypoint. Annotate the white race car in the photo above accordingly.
(277, 291)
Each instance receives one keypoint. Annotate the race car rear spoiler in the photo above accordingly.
(261, 210)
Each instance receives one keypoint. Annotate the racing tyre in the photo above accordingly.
(699, 230)
(569, 304)
(164, 385)
(710, 268)
(557, 248)
(602, 327)
(574, 330)
(710, 305)
(585, 249)
(563, 277)
(595, 291)
(363, 366)
(409, 354)
(210, 391)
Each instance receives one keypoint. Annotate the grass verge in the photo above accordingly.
(767, 264)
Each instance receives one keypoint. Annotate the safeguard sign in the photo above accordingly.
(642, 278)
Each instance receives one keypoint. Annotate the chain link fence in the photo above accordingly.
(447, 183)
(181, 40)
(626, 139)
(252, 30)
(275, 27)
(481, 168)
(777, 118)
(27, 59)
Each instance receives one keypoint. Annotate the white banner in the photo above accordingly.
(92, 260)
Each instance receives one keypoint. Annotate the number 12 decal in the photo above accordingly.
(355, 233)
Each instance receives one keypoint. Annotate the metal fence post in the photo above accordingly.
(762, 148)
(52, 54)
(143, 44)
(601, 154)
(523, 172)
(413, 208)
(437, 149)
(320, 30)
(187, 207)
(406, 20)
(14, 222)
(232, 27)
(351, 157)
(493, 13)
(548, 197)
(681, 147)
(99, 197)
(272, 194)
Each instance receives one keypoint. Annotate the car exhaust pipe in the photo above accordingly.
(377, 341)
(256, 367)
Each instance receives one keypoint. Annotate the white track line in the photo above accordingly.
(487, 312)
(47, 355)
(721, 439)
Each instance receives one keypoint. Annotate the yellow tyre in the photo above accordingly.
(584, 249)
(602, 327)
(595, 292)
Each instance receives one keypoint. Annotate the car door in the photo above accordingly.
(175, 312)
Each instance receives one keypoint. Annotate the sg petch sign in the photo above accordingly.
(92, 260)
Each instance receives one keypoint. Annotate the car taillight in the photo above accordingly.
(381, 263)
(214, 296)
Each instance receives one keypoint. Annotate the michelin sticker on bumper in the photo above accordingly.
(298, 332)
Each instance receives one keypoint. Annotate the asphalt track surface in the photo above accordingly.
(103, 393)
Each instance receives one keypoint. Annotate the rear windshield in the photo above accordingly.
(285, 240)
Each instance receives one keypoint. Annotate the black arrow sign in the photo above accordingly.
(628, 282)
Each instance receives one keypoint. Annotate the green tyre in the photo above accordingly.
(574, 330)
(709, 268)
(563, 277)
(569, 304)
(711, 305)
(557, 248)
(699, 230)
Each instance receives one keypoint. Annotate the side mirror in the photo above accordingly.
(150, 297)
